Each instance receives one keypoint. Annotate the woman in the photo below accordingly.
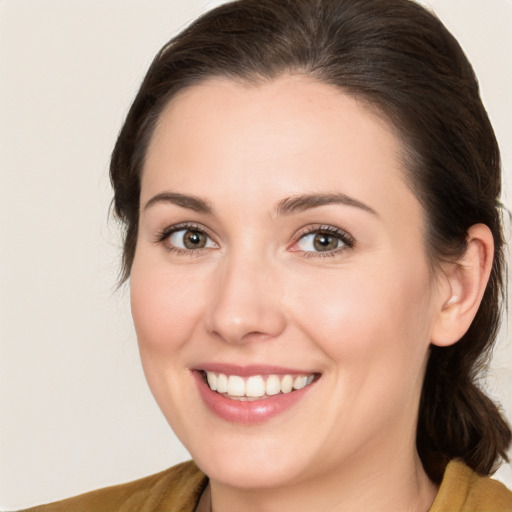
(313, 239)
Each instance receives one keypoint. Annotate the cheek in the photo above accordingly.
(166, 310)
(165, 307)
(364, 315)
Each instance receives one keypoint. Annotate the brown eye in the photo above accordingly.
(190, 239)
(194, 240)
(325, 242)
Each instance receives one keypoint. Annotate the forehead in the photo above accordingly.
(226, 139)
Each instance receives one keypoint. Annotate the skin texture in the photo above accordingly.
(362, 316)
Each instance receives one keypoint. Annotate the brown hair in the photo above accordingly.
(399, 58)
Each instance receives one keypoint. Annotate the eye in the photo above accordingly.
(320, 242)
(328, 240)
(188, 239)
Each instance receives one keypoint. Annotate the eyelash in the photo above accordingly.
(345, 238)
(163, 236)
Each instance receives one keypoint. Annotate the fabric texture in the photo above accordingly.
(179, 489)
(463, 490)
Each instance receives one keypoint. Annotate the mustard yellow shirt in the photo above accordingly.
(179, 489)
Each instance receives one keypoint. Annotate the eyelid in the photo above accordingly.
(164, 234)
(344, 236)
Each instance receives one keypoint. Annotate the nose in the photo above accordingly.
(246, 304)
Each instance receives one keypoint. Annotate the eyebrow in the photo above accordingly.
(301, 203)
(287, 206)
(185, 201)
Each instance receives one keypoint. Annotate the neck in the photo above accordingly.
(396, 486)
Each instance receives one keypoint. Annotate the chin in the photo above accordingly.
(250, 464)
(246, 474)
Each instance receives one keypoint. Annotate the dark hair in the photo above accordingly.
(400, 59)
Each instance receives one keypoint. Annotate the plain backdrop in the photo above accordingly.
(75, 411)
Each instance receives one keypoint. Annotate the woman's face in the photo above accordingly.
(280, 246)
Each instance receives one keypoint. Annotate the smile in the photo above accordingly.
(255, 387)
(252, 394)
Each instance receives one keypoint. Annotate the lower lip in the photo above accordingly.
(247, 412)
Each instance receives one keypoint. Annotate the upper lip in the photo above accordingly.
(248, 370)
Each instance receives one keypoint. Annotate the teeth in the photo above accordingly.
(222, 383)
(236, 386)
(298, 383)
(212, 380)
(273, 385)
(287, 384)
(256, 386)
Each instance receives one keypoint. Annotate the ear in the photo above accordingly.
(462, 287)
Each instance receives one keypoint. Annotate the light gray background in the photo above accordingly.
(75, 412)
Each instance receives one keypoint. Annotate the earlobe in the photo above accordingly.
(464, 284)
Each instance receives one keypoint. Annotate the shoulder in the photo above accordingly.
(178, 488)
(466, 491)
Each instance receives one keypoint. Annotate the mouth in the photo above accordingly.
(252, 394)
(255, 387)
